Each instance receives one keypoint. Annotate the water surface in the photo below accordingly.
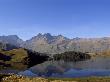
(99, 66)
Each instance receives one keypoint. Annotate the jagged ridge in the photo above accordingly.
(46, 43)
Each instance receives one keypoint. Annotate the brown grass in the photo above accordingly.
(16, 78)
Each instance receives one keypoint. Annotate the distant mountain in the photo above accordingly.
(47, 43)
(12, 40)
(2, 46)
(5, 46)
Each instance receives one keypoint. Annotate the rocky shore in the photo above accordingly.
(16, 78)
(19, 78)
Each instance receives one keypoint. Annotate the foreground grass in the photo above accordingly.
(86, 79)
(15, 78)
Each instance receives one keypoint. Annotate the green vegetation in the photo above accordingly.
(16, 54)
(72, 56)
(20, 59)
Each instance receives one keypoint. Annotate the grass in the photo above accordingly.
(17, 54)
(14, 78)
(86, 79)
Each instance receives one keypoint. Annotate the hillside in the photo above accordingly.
(20, 59)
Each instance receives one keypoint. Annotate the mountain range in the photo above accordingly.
(46, 43)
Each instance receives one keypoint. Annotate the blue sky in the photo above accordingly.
(71, 18)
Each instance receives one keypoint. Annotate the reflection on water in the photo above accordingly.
(99, 66)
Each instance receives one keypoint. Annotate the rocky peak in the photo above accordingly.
(48, 36)
(40, 36)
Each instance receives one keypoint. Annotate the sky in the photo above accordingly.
(71, 18)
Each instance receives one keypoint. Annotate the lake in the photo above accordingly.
(99, 66)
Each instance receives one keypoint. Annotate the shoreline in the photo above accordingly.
(15, 78)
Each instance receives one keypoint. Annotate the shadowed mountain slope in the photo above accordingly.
(12, 40)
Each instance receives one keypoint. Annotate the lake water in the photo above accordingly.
(99, 66)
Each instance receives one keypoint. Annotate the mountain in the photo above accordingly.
(5, 46)
(12, 40)
(2, 46)
(47, 43)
